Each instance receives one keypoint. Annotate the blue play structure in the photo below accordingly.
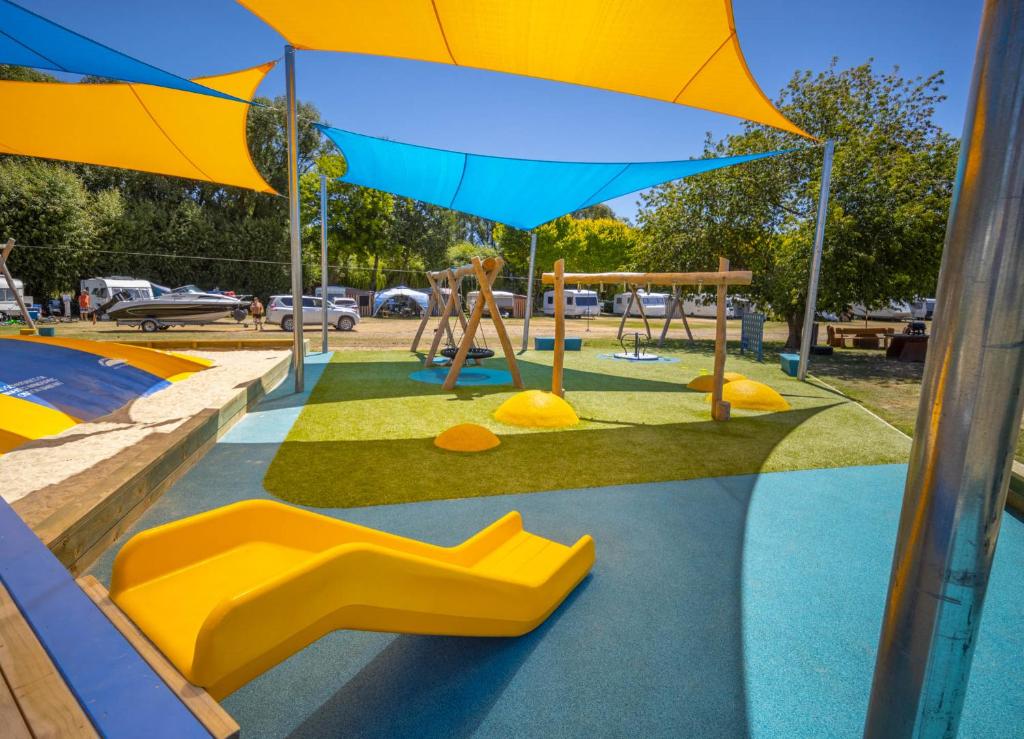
(547, 343)
(752, 335)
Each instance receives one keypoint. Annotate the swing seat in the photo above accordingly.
(475, 352)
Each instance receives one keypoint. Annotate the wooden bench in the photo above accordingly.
(859, 338)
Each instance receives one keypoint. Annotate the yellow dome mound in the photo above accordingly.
(536, 409)
(754, 396)
(467, 437)
(703, 383)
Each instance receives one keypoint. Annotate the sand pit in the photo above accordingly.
(101, 444)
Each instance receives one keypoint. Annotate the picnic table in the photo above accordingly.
(866, 337)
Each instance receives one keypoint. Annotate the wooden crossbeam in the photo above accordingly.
(722, 277)
(467, 269)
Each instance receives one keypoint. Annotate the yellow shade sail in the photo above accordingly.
(135, 126)
(680, 51)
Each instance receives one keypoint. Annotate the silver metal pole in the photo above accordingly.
(323, 257)
(10, 284)
(529, 292)
(298, 345)
(970, 410)
(819, 242)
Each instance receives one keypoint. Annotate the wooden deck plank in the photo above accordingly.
(11, 720)
(216, 720)
(45, 701)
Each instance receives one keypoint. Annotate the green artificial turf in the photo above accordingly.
(366, 435)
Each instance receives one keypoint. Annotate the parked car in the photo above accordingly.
(279, 311)
(350, 303)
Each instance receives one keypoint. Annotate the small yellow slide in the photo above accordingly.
(229, 593)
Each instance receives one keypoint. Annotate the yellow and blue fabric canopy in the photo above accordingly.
(518, 192)
(135, 126)
(29, 40)
(679, 51)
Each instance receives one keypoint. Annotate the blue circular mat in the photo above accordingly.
(469, 377)
(635, 361)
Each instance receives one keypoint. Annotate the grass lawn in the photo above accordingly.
(366, 435)
(889, 388)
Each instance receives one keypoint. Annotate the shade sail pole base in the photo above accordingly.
(292, 132)
(970, 411)
(819, 241)
(529, 292)
(323, 261)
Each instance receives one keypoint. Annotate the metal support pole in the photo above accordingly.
(25, 316)
(970, 411)
(819, 242)
(529, 292)
(291, 124)
(323, 258)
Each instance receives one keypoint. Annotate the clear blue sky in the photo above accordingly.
(485, 112)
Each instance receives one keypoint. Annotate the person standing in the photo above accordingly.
(85, 307)
(66, 301)
(257, 313)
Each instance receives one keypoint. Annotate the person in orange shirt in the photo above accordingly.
(85, 307)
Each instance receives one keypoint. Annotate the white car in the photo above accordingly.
(279, 311)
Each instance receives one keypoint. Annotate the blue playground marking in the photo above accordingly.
(469, 377)
(116, 688)
(639, 361)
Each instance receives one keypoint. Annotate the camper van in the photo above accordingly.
(333, 291)
(655, 304)
(8, 302)
(506, 303)
(694, 305)
(578, 304)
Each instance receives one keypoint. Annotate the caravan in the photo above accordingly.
(655, 304)
(578, 304)
(102, 289)
(703, 305)
(8, 301)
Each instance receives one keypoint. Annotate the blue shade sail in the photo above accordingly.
(524, 193)
(29, 40)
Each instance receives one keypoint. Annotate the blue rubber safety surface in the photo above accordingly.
(717, 607)
(469, 377)
(670, 360)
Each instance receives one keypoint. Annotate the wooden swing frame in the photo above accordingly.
(485, 271)
(633, 280)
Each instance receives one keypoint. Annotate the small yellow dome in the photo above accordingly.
(467, 437)
(536, 409)
(754, 396)
(704, 383)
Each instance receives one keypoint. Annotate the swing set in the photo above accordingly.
(465, 350)
(722, 279)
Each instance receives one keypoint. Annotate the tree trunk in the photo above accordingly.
(373, 277)
(795, 323)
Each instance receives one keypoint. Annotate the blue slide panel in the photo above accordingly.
(80, 384)
(117, 689)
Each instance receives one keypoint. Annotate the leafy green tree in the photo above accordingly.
(892, 181)
(587, 245)
(464, 251)
(46, 208)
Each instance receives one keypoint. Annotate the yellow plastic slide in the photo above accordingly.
(228, 594)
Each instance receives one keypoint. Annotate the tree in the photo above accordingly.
(892, 181)
(587, 245)
(45, 207)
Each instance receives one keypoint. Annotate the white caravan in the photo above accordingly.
(704, 305)
(655, 304)
(8, 302)
(506, 302)
(578, 304)
(102, 289)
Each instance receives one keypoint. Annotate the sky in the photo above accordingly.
(491, 113)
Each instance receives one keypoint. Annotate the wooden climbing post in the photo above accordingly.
(559, 358)
(719, 408)
(486, 294)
